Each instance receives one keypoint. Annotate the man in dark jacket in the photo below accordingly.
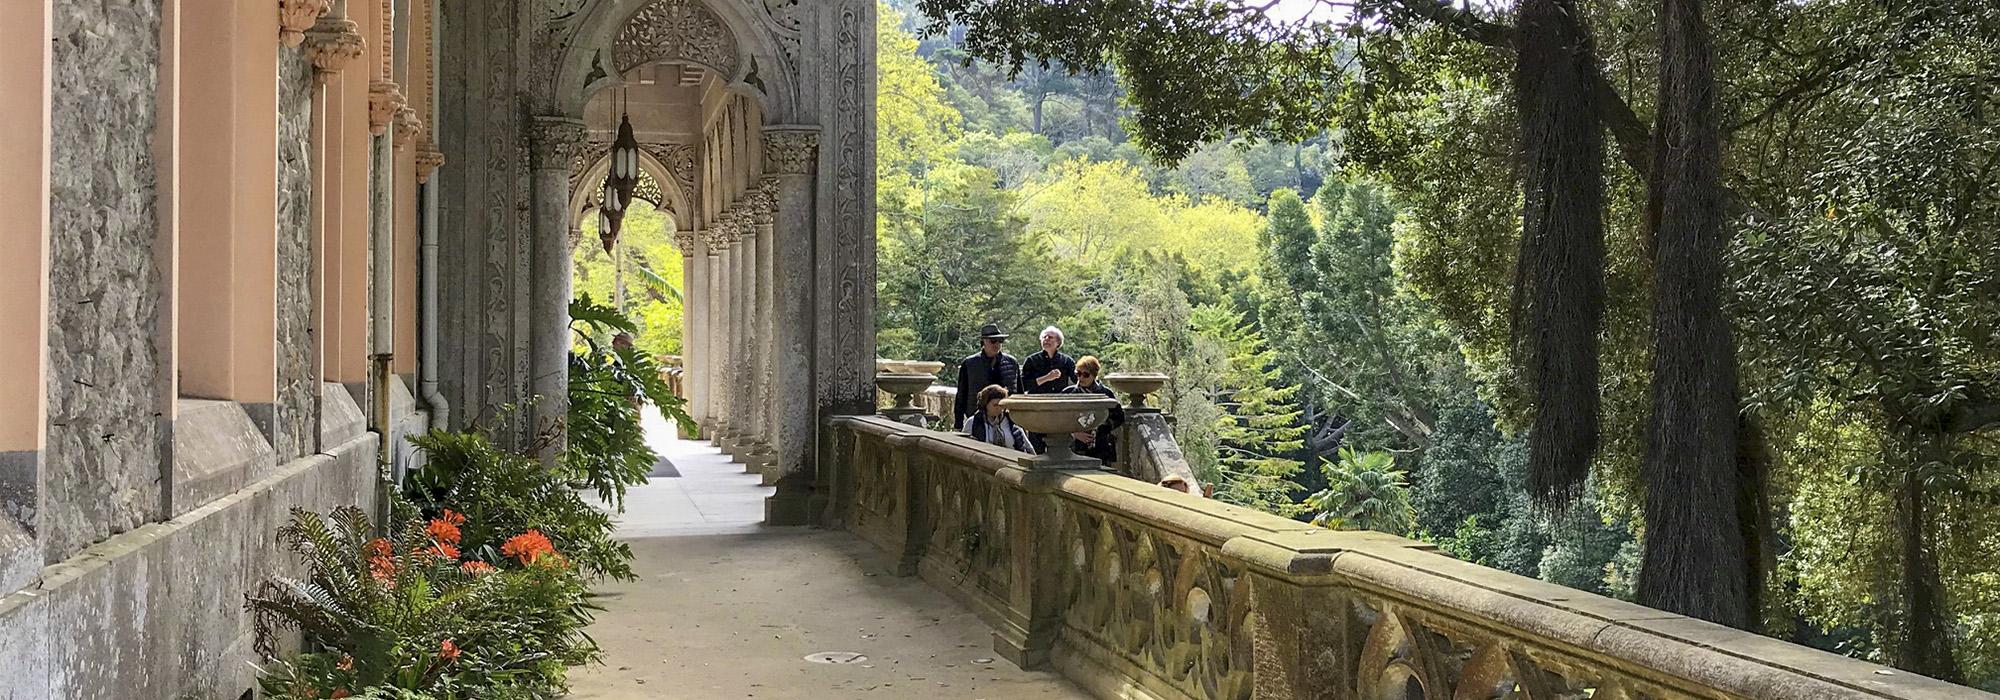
(990, 367)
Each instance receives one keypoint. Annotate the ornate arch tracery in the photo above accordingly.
(677, 30)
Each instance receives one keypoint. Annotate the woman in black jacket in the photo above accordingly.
(1103, 442)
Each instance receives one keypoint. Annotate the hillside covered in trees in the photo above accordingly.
(1337, 281)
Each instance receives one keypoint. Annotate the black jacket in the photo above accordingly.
(1107, 435)
(1039, 364)
(978, 372)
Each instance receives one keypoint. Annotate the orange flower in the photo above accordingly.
(447, 650)
(528, 546)
(339, 693)
(442, 550)
(346, 663)
(454, 517)
(476, 568)
(380, 547)
(443, 530)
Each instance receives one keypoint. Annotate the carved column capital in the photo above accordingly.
(716, 237)
(385, 98)
(557, 141)
(685, 242)
(429, 159)
(295, 17)
(764, 202)
(408, 126)
(790, 151)
(332, 43)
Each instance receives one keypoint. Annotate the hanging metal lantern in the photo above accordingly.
(622, 182)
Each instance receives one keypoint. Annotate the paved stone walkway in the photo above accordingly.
(726, 608)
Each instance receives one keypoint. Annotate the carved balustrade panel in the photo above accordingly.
(1133, 590)
(1153, 605)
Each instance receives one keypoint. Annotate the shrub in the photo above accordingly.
(610, 381)
(502, 494)
(405, 616)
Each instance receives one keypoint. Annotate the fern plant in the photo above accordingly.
(503, 494)
(403, 616)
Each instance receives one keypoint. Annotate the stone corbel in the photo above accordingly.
(408, 126)
(429, 159)
(385, 98)
(332, 44)
(296, 17)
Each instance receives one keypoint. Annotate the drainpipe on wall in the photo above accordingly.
(427, 315)
(384, 447)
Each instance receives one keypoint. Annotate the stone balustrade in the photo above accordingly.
(1137, 591)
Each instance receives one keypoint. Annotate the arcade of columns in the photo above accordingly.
(756, 131)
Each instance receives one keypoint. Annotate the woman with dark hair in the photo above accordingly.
(1103, 442)
(991, 425)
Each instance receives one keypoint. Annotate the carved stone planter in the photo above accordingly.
(904, 386)
(1058, 415)
(923, 367)
(1135, 386)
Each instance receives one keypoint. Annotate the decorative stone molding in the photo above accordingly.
(557, 141)
(718, 237)
(296, 17)
(429, 159)
(408, 126)
(790, 152)
(684, 241)
(677, 30)
(332, 44)
(679, 160)
(385, 99)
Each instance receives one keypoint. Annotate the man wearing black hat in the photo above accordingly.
(989, 367)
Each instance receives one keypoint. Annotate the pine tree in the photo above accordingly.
(1259, 427)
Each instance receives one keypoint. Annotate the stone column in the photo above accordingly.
(557, 141)
(764, 351)
(746, 373)
(718, 336)
(756, 423)
(791, 156)
(694, 344)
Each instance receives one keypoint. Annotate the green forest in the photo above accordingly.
(1315, 226)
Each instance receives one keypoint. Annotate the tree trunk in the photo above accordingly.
(1924, 646)
(1559, 285)
(1695, 559)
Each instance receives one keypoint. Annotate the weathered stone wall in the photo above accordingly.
(157, 612)
(102, 466)
(297, 417)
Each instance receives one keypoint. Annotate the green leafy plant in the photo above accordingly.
(503, 494)
(1366, 492)
(405, 616)
(610, 381)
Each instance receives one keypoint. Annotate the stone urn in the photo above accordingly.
(924, 367)
(1135, 386)
(904, 386)
(892, 367)
(1058, 415)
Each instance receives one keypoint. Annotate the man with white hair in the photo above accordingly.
(1047, 372)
